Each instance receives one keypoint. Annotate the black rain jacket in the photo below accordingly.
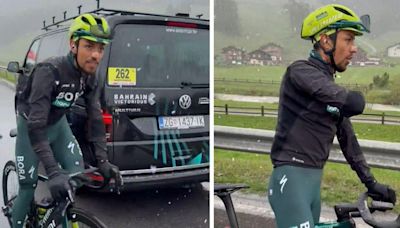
(52, 88)
(305, 129)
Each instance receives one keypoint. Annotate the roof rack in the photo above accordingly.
(102, 12)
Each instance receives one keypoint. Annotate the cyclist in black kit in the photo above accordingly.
(43, 131)
(312, 109)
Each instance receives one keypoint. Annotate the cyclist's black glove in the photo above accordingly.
(108, 171)
(381, 192)
(59, 185)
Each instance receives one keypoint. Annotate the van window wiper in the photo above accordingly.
(190, 84)
(183, 84)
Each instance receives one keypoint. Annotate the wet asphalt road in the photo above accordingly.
(244, 220)
(167, 207)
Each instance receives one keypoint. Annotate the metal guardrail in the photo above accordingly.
(378, 154)
(381, 118)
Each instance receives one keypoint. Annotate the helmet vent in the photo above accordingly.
(84, 19)
(98, 21)
(343, 11)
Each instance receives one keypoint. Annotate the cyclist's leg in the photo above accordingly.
(291, 194)
(316, 204)
(65, 147)
(27, 163)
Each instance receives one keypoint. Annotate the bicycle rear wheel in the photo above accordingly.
(80, 218)
(10, 187)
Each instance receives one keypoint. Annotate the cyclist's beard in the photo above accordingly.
(90, 66)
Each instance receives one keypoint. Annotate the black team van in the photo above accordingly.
(154, 88)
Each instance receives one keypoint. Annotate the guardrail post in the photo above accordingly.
(226, 109)
(383, 118)
(262, 110)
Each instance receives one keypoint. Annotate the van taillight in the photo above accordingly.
(181, 24)
(107, 120)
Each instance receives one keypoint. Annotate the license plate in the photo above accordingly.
(180, 122)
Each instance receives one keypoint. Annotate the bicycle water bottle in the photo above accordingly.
(43, 206)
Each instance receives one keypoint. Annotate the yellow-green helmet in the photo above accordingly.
(90, 27)
(330, 18)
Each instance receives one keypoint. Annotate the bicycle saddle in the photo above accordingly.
(228, 188)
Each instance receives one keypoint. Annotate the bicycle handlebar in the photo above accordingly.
(365, 212)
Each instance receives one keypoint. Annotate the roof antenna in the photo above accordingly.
(44, 24)
(79, 9)
(65, 15)
(98, 4)
(54, 18)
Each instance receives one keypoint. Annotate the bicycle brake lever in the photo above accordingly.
(71, 196)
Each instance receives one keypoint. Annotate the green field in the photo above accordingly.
(339, 184)
(354, 75)
(265, 81)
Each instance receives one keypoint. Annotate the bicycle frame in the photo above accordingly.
(344, 224)
(55, 214)
(59, 213)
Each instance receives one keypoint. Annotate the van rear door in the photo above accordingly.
(157, 90)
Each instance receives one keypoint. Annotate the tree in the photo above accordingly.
(297, 12)
(226, 17)
(182, 6)
(381, 81)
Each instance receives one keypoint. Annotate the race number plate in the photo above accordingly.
(122, 76)
(180, 122)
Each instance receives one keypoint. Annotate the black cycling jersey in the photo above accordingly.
(52, 89)
(306, 127)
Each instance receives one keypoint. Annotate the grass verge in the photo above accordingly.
(7, 76)
(339, 184)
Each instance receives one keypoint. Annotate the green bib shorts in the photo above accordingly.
(294, 195)
(65, 149)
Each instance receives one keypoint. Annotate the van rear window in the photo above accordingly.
(159, 56)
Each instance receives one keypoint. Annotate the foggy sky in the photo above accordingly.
(263, 21)
(22, 20)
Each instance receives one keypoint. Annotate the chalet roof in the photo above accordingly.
(270, 45)
(231, 47)
(260, 52)
(394, 45)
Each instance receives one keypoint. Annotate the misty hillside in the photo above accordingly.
(260, 22)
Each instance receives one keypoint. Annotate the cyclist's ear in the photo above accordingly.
(73, 46)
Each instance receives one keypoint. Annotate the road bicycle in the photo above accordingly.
(49, 213)
(345, 213)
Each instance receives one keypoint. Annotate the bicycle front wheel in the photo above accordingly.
(79, 218)
(10, 187)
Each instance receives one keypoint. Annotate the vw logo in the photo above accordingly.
(185, 101)
(151, 98)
